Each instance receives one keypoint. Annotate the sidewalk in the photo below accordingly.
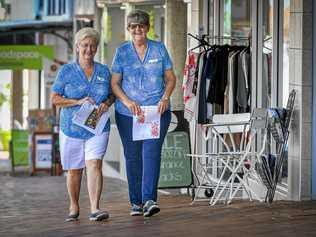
(37, 206)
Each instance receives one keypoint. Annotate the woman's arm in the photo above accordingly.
(105, 105)
(170, 80)
(118, 92)
(61, 101)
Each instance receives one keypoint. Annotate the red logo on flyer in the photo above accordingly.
(154, 129)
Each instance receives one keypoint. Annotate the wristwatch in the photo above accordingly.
(165, 98)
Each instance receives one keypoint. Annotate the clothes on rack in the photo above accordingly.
(189, 97)
(218, 75)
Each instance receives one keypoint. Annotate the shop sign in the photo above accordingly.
(175, 164)
(18, 57)
(43, 151)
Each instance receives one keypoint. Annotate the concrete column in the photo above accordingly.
(17, 97)
(301, 64)
(33, 90)
(176, 25)
(98, 27)
(104, 32)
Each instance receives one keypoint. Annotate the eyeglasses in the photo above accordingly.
(133, 26)
(92, 46)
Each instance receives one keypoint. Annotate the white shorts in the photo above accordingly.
(74, 151)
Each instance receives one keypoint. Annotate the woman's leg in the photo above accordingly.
(151, 160)
(73, 185)
(133, 157)
(95, 149)
(94, 182)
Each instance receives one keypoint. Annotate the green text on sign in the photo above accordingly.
(175, 165)
(18, 57)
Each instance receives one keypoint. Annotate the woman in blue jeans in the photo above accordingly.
(142, 75)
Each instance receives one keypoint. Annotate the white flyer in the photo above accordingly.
(87, 118)
(147, 124)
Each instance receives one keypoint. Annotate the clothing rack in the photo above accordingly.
(234, 38)
(201, 40)
(204, 41)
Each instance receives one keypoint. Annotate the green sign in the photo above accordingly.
(18, 57)
(20, 147)
(175, 165)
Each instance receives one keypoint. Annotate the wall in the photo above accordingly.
(62, 55)
(301, 65)
(23, 11)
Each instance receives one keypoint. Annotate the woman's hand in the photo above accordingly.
(163, 105)
(83, 100)
(133, 107)
(103, 107)
(61, 101)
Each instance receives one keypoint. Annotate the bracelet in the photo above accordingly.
(165, 98)
(106, 102)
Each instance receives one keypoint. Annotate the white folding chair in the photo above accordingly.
(213, 166)
(231, 156)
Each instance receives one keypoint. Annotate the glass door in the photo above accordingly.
(284, 69)
(266, 51)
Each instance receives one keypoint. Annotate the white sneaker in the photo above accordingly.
(151, 208)
(136, 210)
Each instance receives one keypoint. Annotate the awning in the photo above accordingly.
(30, 26)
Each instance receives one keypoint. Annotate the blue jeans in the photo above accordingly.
(142, 159)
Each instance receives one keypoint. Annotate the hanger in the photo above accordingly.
(202, 42)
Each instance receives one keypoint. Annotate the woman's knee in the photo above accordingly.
(74, 172)
(94, 164)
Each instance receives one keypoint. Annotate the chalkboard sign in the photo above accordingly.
(175, 165)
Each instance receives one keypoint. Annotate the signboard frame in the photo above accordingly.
(37, 146)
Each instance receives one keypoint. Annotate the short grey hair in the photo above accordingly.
(138, 16)
(87, 32)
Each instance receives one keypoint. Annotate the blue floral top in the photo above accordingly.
(72, 83)
(142, 81)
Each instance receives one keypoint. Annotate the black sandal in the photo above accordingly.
(72, 217)
(99, 216)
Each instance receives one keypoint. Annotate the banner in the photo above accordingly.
(18, 57)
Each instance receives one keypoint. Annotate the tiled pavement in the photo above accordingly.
(37, 206)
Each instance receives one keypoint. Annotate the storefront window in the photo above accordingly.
(267, 33)
(237, 18)
(285, 78)
(286, 44)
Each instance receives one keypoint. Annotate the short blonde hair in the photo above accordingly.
(87, 32)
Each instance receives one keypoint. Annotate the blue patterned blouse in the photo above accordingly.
(142, 81)
(72, 83)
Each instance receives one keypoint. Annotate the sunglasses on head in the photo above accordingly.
(133, 26)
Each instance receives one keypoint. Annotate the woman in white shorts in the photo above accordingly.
(77, 82)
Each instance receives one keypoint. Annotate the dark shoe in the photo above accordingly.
(151, 208)
(99, 216)
(72, 217)
(136, 210)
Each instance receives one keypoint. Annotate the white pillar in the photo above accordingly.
(176, 25)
